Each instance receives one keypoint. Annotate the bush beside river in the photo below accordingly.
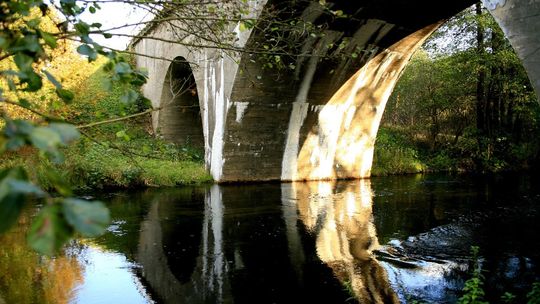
(113, 155)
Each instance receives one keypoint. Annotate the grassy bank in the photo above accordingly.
(402, 151)
(394, 154)
(120, 154)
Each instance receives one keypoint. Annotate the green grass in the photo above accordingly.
(122, 154)
(394, 154)
(108, 167)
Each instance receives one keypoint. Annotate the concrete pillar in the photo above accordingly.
(520, 22)
(341, 144)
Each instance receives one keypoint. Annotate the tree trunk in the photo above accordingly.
(480, 84)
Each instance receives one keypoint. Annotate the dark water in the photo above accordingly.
(384, 240)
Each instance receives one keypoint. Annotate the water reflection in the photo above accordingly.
(320, 242)
(25, 277)
(248, 248)
(341, 218)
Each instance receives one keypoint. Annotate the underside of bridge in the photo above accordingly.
(179, 119)
(315, 120)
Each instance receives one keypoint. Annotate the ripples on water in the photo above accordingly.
(384, 240)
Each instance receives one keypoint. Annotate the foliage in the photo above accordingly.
(106, 160)
(533, 297)
(107, 167)
(474, 293)
(394, 155)
(466, 104)
(19, 268)
(27, 44)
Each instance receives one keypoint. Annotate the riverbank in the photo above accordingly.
(116, 154)
(401, 151)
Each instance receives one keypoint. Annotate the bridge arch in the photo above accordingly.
(179, 117)
(320, 119)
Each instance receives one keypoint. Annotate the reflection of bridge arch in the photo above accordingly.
(318, 121)
(174, 276)
(341, 218)
(238, 259)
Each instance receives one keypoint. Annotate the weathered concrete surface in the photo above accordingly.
(180, 119)
(320, 120)
(342, 142)
(520, 22)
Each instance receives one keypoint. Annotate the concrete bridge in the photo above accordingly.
(319, 119)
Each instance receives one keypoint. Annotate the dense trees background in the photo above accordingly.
(464, 101)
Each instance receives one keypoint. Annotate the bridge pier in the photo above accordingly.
(319, 120)
(520, 22)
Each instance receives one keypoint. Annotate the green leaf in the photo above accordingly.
(45, 139)
(107, 84)
(33, 23)
(4, 43)
(23, 62)
(92, 9)
(129, 97)
(49, 230)
(11, 202)
(88, 218)
(31, 43)
(83, 28)
(25, 103)
(14, 189)
(66, 95)
(88, 51)
(120, 134)
(14, 143)
(17, 127)
(24, 187)
(107, 35)
(11, 84)
(123, 134)
(15, 172)
(139, 79)
(10, 208)
(242, 27)
(67, 132)
(49, 39)
(122, 68)
(34, 82)
(52, 79)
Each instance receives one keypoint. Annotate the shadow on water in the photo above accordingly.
(388, 240)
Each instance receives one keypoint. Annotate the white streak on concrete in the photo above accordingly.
(240, 110)
(330, 119)
(206, 90)
(349, 115)
(289, 165)
(220, 109)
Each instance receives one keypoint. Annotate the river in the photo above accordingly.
(381, 240)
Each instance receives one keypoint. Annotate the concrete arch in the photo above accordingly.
(318, 121)
(179, 119)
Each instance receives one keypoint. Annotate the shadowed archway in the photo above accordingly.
(179, 119)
